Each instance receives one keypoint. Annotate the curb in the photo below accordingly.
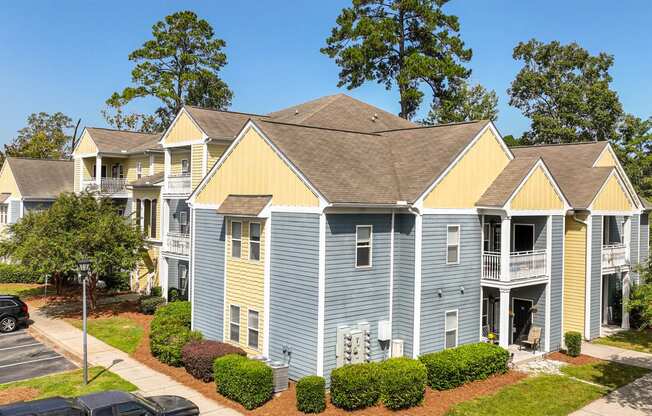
(42, 336)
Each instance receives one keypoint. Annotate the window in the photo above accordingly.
(363, 235)
(234, 328)
(4, 209)
(622, 232)
(523, 237)
(183, 278)
(117, 171)
(486, 237)
(485, 312)
(453, 244)
(183, 222)
(152, 225)
(185, 166)
(252, 324)
(104, 411)
(139, 169)
(254, 241)
(236, 238)
(451, 329)
(131, 409)
(121, 212)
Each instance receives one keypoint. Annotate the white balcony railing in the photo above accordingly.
(178, 184)
(522, 265)
(614, 255)
(177, 243)
(107, 185)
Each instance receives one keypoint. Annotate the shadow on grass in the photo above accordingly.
(632, 339)
(105, 370)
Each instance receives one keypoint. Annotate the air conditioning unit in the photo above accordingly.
(397, 347)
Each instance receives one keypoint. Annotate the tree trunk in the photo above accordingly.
(91, 288)
(56, 280)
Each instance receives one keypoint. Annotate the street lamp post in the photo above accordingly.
(84, 266)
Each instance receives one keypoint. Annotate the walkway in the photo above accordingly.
(634, 399)
(148, 381)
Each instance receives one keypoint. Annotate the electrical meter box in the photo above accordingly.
(353, 344)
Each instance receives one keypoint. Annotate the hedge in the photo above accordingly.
(453, 367)
(198, 357)
(355, 386)
(178, 313)
(573, 341)
(248, 382)
(402, 382)
(14, 273)
(149, 304)
(157, 291)
(170, 332)
(311, 394)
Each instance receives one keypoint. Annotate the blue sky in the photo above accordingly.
(70, 56)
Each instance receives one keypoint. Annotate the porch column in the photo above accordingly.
(98, 170)
(626, 289)
(167, 166)
(504, 329)
(627, 232)
(505, 247)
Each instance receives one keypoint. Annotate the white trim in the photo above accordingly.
(239, 320)
(295, 209)
(457, 327)
(540, 164)
(449, 211)
(391, 272)
(613, 213)
(531, 213)
(152, 161)
(230, 232)
(260, 231)
(416, 330)
(371, 246)
(489, 126)
(267, 284)
(186, 143)
(459, 243)
(321, 302)
(623, 186)
(587, 294)
(548, 289)
(85, 155)
(255, 329)
(204, 159)
(163, 278)
(227, 225)
(482, 237)
(563, 276)
(192, 268)
(201, 206)
(523, 224)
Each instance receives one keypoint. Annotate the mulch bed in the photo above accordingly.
(579, 360)
(18, 394)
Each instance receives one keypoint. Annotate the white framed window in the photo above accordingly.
(254, 241)
(622, 232)
(452, 244)
(252, 329)
(183, 278)
(485, 312)
(139, 169)
(4, 210)
(236, 239)
(185, 166)
(450, 329)
(523, 237)
(152, 226)
(183, 222)
(363, 245)
(234, 323)
(486, 237)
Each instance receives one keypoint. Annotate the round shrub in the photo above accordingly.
(355, 386)
(248, 382)
(402, 383)
(198, 357)
(178, 313)
(167, 342)
(573, 341)
(311, 394)
(149, 304)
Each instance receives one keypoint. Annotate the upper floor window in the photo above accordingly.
(254, 241)
(183, 278)
(183, 222)
(185, 166)
(236, 238)
(453, 244)
(117, 171)
(4, 209)
(363, 237)
(152, 226)
(139, 169)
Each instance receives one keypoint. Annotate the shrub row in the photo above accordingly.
(149, 304)
(573, 341)
(246, 381)
(198, 357)
(170, 332)
(14, 273)
(456, 366)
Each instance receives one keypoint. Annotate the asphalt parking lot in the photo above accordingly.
(23, 357)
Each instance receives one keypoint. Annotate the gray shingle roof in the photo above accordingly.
(219, 124)
(121, 141)
(149, 180)
(42, 178)
(244, 205)
(502, 188)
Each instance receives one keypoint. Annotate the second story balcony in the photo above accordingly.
(178, 184)
(614, 255)
(522, 265)
(177, 243)
(106, 186)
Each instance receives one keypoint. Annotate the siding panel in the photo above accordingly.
(403, 302)
(645, 238)
(634, 244)
(596, 274)
(556, 282)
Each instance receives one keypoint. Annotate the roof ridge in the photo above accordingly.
(458, 123)
(123, 131)
(533, 146)
(321, 128)
(38, 158)
(226, 111)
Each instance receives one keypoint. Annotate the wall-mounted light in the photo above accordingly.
(439, 292)
(462, 289)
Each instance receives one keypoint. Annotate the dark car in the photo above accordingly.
(109, 403)
(13, 313)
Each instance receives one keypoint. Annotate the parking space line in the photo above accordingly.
(20, 346)
(33, 361)
(13, 333)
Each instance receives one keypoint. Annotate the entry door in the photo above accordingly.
(613, 300)
(522, 320)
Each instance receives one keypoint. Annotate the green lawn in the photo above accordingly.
(122, 333)
(608, 374)
(69, 384)
(630, 340)
(24, 290)
(545, 395)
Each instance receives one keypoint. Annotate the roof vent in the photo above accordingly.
(296, 112)
(374, 117)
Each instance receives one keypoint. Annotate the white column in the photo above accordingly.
(505, 247)
(626, 289)
(504, 329)
(547, 330)
(165, 219)
(98, 170)
(166, 167)
(627, 232)
(142, 215)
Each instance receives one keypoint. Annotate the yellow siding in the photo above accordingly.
(175, 160)
(78, 174)
(574, 274)
(254, 168)
(132, 167)
(215, 151)
(245, 285)
(86, 145)
(472, 175)
(140, 193)
(87, 166)
(537, 193)
(605, 160)
(183, 130)
(196, 164)
(612, 197)
(159, 163)
(8, 182)
(148, 265)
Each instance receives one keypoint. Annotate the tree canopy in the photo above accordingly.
(399, 43)
(179, 65)
(46, 136)
(565, 91)
(466, 103)
(634, 148)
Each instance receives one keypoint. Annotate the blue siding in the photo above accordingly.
(208, 262)
(173, 272)
(596, 275)
(556, 282)
(403, 302)
(645, 238)
(14, 211)
(437, 275)
(176, 207)
(294, 290)
(353, 294)
(634, 243)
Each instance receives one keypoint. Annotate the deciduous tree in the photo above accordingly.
(634, 148)
(466, 103)
(46, 136)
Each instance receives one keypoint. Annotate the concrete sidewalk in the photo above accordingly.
(634, 399)
(148, 381)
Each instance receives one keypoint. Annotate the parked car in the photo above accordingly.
(13, 313)
(108, 403)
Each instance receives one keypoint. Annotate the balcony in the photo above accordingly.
(108, 186)
(614, 255)
(522, 265)
(177, 243)
(178, 184)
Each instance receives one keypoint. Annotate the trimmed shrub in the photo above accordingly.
(198, 357)
(148, 304)
(355, 386)
(573, 341)
(15, 273)
(248, 382)
(311, 394)
(453, 367)
(174, 295)
(178, 313)
(402, 382)
(157, 291)
(170, 332)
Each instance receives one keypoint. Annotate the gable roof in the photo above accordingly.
(502, 188)
(42, 178)
(218, 124)
(150, 180)
(122, 141)
(341, 111)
